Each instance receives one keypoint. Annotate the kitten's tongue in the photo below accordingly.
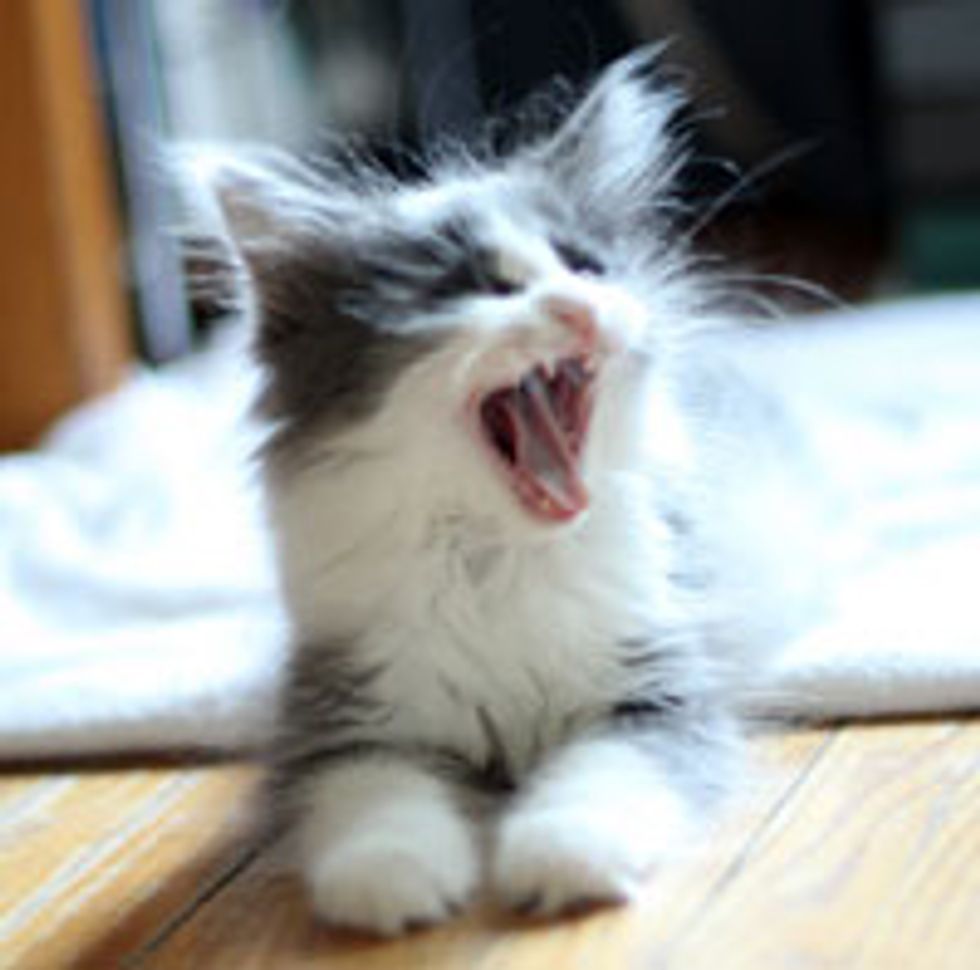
(539, 427)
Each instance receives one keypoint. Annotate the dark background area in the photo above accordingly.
(836, 140)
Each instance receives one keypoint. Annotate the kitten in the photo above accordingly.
(485, 492)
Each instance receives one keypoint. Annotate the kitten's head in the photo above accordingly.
(489, 326)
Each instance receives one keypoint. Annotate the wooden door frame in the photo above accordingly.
(65, 331)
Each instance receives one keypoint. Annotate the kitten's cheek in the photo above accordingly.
(628, 333)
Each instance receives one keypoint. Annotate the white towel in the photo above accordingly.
(136, 599)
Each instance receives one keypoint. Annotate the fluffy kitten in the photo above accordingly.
(486, 497)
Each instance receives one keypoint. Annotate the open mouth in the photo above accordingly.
(537, 430)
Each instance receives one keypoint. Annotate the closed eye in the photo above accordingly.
(577, 259)
(494, 282)
(472, 275)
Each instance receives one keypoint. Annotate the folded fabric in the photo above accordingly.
(138, 607)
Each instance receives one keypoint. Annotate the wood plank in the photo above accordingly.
(65, 324)
(875, 863)
(94, 863)
(857, 848)
(261, 920)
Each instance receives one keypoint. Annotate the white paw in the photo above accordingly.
(562, 860)
(385, 886)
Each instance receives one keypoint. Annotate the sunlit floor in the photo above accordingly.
(857, 846)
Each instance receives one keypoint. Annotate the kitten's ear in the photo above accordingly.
(259, 199)
(614, 152)
(284, 230)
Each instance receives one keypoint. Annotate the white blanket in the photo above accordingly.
(136, 600)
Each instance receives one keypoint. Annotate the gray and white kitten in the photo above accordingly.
(486, 494)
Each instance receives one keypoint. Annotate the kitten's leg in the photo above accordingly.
(384, 847)
(597, 817)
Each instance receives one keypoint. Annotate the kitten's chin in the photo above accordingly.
(534, 433)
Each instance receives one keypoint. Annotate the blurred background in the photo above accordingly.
(836, 140)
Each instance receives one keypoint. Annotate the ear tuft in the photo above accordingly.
(257, 196)
(614, 152)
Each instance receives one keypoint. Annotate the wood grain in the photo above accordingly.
(64, 327)
(84, 854)
(874, 863)
(857, 847)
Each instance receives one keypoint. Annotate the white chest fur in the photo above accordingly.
(484, 644)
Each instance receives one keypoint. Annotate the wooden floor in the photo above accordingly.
(856, 847)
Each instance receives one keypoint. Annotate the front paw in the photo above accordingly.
(554, 861)
(385, 886)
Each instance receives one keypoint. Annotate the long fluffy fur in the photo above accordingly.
(444, 642)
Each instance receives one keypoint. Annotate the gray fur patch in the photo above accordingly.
(328, 360)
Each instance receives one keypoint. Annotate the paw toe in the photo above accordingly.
(386, 897)
(546, 870)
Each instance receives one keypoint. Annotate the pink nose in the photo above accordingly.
(575, 314)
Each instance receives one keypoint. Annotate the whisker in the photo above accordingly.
(820, 294)
(768, 308)
(750, 178)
